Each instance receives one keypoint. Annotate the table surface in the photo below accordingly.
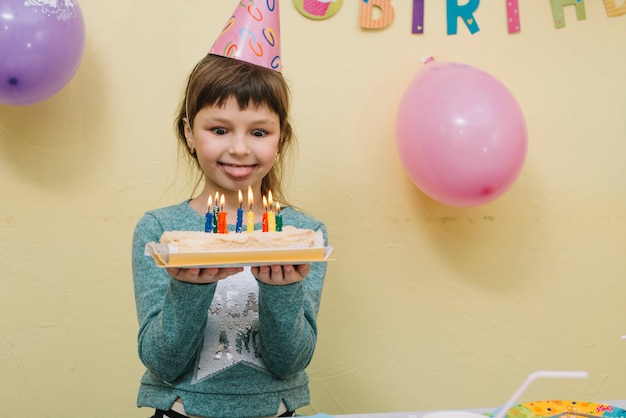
(419, 414)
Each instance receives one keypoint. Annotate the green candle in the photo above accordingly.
(279, 218)
(216, 211)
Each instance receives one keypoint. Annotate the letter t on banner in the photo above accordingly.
(557, 11)
(465, 12)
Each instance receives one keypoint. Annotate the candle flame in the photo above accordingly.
(222, 203)
(210, 204)
(265, 203)
(250, 197)
(270, 200)
(277, 207)
(240, 199)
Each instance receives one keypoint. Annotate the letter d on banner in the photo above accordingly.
(612, 10)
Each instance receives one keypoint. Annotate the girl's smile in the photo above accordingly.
(237, 172)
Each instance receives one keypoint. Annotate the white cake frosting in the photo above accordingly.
(289, 237)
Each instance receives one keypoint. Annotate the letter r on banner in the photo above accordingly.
(465, 12)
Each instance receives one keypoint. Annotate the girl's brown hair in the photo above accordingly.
(216, 79)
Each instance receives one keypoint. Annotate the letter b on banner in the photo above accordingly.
(376, 14)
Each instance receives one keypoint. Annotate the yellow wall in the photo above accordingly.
(426, 306)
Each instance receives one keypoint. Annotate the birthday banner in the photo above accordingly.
(379, 14)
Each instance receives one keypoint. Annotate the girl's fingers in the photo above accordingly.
(202, 276)
(281, 275)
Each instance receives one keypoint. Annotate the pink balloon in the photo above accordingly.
(461, 134)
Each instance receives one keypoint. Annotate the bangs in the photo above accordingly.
(248, 84)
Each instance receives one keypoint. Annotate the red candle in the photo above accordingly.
(264, 221)
(221, 221)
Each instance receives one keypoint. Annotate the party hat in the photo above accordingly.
(252, 34)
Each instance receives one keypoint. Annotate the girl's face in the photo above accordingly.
(235, 148)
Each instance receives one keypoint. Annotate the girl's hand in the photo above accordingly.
(202, 276)
(281, 275)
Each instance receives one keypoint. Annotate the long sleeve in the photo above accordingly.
(172, 314)
(235, 348)
(288, 322)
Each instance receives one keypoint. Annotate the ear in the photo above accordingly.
(189, 135)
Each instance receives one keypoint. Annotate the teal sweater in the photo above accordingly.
(267, 334)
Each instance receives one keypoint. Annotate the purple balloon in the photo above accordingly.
(41, 47)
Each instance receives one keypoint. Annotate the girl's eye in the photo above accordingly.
(219, 131)
(259, 133)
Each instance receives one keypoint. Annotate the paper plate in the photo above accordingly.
(453, 414)
(563, 408)
(239, 258)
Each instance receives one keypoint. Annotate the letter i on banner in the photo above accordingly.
(612, 10)
(387, 13)
(512, 16)
(418, 16)
(557, 11)
(465, 12)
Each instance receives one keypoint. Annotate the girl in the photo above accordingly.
(227, 342)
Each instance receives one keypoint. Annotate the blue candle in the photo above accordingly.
(208, 224)
(239, 224)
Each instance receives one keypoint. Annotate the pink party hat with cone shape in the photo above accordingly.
(252, 34)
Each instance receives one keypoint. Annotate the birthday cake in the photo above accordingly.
(197, 241)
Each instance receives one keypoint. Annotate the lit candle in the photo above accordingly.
(216, 211)
(271, 218)
(239, 214)
(250, 219)
(208, 224)
(221, 223)
(279, 218)
(264, 220)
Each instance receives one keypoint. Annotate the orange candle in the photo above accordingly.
(271, 216)
(250, 214)
(264, 221)
(221, 222)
